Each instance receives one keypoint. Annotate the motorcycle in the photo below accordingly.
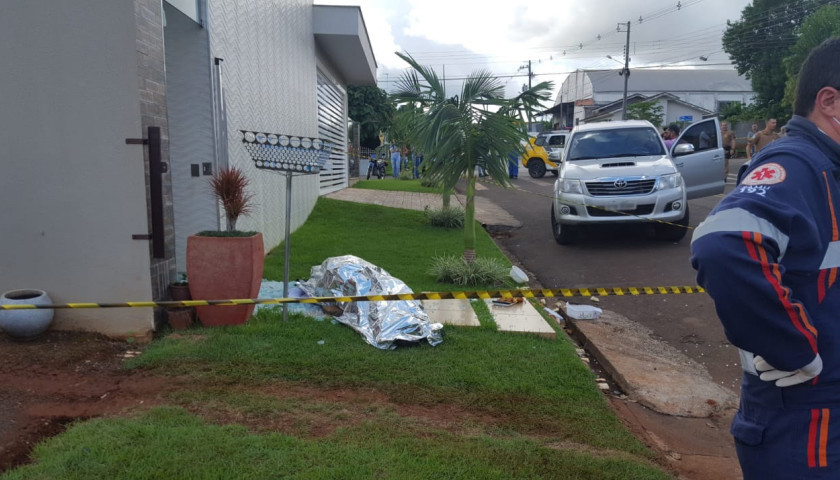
(376, 167)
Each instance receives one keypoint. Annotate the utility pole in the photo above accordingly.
(626, 71)
(529, 74)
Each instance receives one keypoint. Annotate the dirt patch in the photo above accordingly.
(316, 413)
(63, 377)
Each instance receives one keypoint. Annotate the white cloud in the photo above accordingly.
(465, 35)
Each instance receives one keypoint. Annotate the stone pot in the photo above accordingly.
(25, 324)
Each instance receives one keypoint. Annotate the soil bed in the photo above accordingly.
(63, 377)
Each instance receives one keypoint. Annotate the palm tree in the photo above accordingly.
(477, 127)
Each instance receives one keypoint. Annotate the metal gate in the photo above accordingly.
(332, 127)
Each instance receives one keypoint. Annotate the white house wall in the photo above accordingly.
(676, 110)
(73, 192)
(189, 94)
(710, 100)
(270, 86)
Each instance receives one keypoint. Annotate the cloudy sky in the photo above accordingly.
(457, 37)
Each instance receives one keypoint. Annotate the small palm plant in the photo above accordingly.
(478, 127)
(229, 187)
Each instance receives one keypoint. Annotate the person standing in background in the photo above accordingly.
(751, 148)
(763, 138)
(672, 132)
(728, 138)
(395, 161)
(418, 159)
(513, 165)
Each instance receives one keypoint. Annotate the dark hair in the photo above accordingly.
(820, 69)
(674, 128)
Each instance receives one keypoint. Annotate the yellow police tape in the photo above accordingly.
(619, 212)
(483, 294)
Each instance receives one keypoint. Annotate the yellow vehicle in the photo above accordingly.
(544, 152)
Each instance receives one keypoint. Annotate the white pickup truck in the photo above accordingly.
(621, 172)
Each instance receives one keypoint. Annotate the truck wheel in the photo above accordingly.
(536, 168)
(563, 234)
(556, 173)
(672, 232)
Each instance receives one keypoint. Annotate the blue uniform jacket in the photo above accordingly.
(769, 253)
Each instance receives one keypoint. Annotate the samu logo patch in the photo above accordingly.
(768, 174)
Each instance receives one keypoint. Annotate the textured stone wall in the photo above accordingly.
(151, 82)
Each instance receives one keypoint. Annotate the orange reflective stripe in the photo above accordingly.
(824, 437)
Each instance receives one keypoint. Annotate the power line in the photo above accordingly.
(698, 41)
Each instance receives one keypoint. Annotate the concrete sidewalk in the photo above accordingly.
(486, 212)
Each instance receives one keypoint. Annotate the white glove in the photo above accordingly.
(768, 372)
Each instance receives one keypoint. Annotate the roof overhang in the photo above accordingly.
(341, 34)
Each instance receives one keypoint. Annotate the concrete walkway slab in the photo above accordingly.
(522, 318)
(451, 312)
(486, 212)
(650, 371)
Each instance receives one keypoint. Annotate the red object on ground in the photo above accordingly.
(224, 268)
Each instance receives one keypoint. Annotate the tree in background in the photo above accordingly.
(759, 41)
(822, 24)
(477, 127)
(650, 111)
(370, 106)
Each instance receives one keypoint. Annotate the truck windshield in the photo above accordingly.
(615, 142)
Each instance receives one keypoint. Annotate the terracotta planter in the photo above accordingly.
(180, 318)
(224, 268)
(179, 293)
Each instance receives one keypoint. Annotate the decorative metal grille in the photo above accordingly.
(287, 153)
(622, 186)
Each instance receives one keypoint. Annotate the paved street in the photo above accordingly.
(623, 256)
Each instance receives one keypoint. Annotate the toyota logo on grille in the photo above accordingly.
(620, 183)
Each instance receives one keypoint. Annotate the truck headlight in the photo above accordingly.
(673, 180)
(570, 186)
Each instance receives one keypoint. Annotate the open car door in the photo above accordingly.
(698, 156)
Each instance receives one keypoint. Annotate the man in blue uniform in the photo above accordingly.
(769, 256)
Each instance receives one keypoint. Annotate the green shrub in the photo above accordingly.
(482, 271)
(429, 183)
(446, 217)
(406, 174)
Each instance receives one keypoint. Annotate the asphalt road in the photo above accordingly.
(622, 256)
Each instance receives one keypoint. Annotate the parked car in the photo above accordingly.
(544, 153)
(621, 172)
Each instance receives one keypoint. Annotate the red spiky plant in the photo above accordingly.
(229, 185)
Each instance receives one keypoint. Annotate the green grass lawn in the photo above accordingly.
(397, 240)
(394, 184)
(170, 443)
(483, 404)
(536, 390)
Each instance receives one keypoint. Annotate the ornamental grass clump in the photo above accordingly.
(481, 271)
(429, 182)
(229, 185)
(446, 217)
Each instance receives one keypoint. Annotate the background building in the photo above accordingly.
(592, 95)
